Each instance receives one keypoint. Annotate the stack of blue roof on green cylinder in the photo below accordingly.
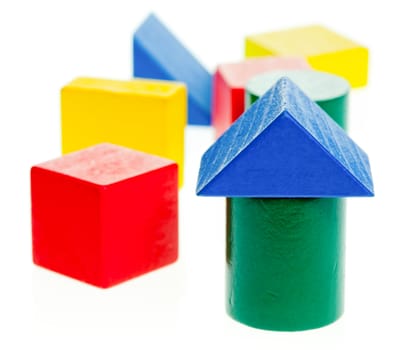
(285, 167)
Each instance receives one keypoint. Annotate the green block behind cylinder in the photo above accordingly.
(285, 262)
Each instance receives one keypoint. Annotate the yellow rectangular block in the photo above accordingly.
(146, 115)
(324, 49)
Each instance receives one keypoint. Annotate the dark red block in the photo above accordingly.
(229, 86)
(105, 214)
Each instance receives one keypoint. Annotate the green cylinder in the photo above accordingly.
(285, 262)
(329, 91)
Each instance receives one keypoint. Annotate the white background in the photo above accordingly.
(45, 44)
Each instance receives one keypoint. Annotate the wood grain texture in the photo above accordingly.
(329, 91)
(229, 85)
(285, 145)
(105, 214)
(285, 262)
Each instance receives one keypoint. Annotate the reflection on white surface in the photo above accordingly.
(145, 303)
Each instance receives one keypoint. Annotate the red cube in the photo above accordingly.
(229, 86)
(105, 214)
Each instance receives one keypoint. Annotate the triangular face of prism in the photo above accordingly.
(285, 145)
(284, 161)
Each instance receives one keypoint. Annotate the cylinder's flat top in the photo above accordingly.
(317, 85)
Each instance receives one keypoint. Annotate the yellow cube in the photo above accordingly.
(146, 115)
(324, 50)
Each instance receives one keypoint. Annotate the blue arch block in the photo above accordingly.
(157, 54)
(285, 145)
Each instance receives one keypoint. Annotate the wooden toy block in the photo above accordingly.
(329, 91)
(324, 49)
(105, 214)
(158, 54)
(285, 262)
(285, 145)
(229, 86)
(283, 166)
(146, 115)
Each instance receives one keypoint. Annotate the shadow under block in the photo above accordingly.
(158, 54)
(329, 91)
(285, 145)
(105, 214)
(146, 115)
(324, 49)
(229, 86)
(285, 262)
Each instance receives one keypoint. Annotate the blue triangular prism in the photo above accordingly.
(285, 146)
(157, 54)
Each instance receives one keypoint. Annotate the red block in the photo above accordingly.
(105, 214)
(229, 86)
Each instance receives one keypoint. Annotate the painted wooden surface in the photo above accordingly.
(329, 91)
(229, 85)
(285, 145)
(158, 54)
(146, 115)
(324, 49)
(105, 214)
(285, 262)
(283, 166)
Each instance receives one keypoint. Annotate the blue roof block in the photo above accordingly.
(285, 145)
(157, 54)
